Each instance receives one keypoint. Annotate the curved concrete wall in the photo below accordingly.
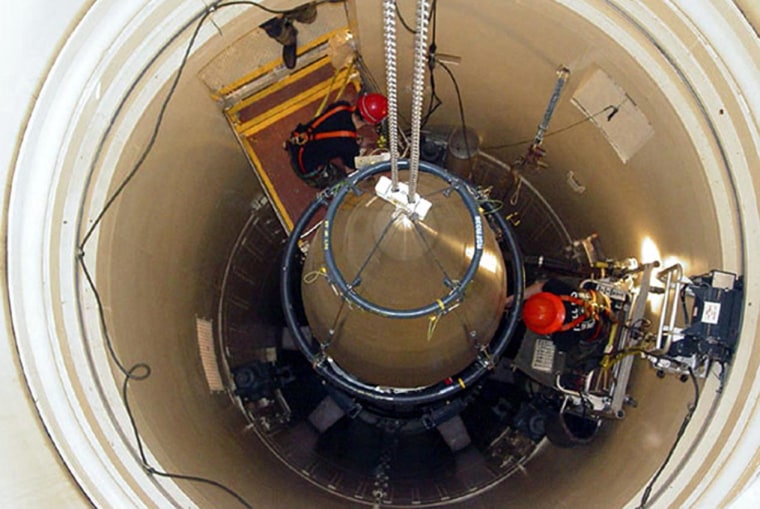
(81, 112)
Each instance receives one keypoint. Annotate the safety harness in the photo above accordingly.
(304, 134)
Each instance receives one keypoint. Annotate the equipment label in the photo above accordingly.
(543, 355)
(711, 312)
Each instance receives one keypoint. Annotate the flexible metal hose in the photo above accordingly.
(418, 88)
(389, 39)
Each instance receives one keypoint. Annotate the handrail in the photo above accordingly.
(673, 279)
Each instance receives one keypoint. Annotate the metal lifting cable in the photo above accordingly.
(418, 88)
(389, 33)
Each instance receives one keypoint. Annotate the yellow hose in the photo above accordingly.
(322, 106)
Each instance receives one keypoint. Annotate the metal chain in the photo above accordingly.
(389, 35)
(418, 89)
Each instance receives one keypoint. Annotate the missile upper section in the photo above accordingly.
(399, 261)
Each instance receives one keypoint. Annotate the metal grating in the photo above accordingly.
(205, 334)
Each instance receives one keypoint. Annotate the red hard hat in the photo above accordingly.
(373, 107)
(544, 313)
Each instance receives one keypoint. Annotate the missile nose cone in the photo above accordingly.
(402, 262)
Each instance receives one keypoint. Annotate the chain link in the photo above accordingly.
(389, 35)
(418, 89)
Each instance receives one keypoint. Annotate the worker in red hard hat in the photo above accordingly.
(570, 316)
(323, 150)
(373, 108)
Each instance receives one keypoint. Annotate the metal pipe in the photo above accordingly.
(669, 308)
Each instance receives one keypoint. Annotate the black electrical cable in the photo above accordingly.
(141, 371)
(151, 140)
(146, 465)
(585, 119)
(403, 21)
(434, 18)
(366, 73)
(461, 106)
(681, 431)
(435, 101)
(102, 319)
(165, 103)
